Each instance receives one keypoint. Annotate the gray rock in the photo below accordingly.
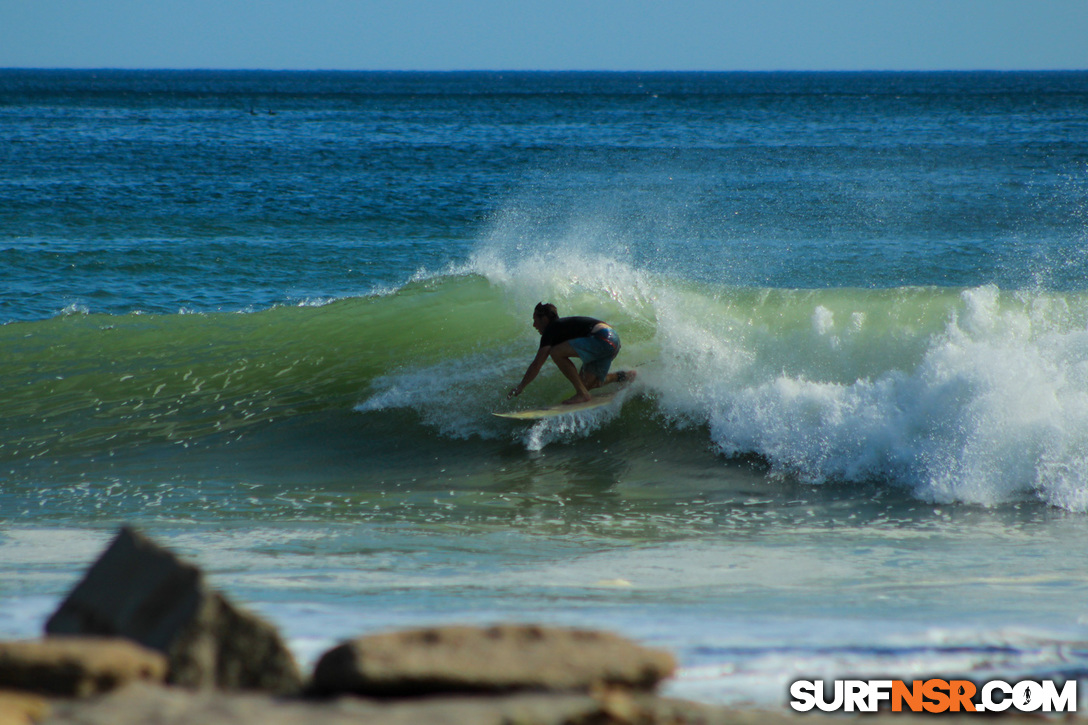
(139, 590)
(77, 666)
(141, 704)
(504, 658)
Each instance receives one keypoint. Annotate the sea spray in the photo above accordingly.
(996, 397)
(573, 425)
(976, 395)
(453, 396)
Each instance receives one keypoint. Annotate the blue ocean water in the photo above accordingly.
(266, 317)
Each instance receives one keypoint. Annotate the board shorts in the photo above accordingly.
(597, 351)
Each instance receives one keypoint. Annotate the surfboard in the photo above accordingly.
(598, 400)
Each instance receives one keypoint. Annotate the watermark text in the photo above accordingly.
(933, 696)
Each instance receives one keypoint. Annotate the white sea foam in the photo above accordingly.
(979, 395)
(995, 408)
(567, 427)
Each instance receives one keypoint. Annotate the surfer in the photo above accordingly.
(563, 338)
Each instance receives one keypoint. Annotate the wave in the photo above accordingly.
(976, 394)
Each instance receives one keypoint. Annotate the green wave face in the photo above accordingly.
(971, 394)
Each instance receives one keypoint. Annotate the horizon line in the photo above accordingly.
(191, 69)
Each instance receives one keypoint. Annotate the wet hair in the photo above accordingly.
(546, 309)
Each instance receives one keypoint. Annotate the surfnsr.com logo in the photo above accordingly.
(933, 696)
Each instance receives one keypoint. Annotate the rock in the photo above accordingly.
(77, 665)
(139, 590)
(503, 658)
(142, 704)
(20, 708)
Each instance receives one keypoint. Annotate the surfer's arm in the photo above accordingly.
(533, 371)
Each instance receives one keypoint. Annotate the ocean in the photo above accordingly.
(266, 316)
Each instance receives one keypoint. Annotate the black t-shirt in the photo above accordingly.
(567, 328)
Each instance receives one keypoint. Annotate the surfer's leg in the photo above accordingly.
(561, 354)
(589, 378)
(623, 376)
(597, 352)
(596, 355)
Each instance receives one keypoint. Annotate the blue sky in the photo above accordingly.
(546, 34)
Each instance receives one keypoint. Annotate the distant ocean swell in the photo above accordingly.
(976, 395)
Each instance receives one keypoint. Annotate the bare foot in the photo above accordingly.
(579, 398)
